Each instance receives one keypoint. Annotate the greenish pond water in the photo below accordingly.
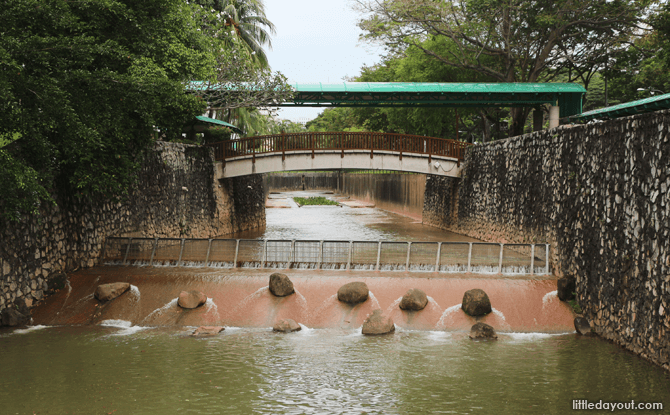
(116, 370)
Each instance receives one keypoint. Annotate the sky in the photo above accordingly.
(316, 41)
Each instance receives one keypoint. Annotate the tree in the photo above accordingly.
(85, 88)
(508, 41)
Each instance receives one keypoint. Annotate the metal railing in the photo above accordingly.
(339, 141)
(454, 257)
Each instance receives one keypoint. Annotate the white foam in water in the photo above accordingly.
(251, 265)
(391, 267)
(498, 313)
(306, 330)
(363, 267)
(516, 270)
(375, 303)
(127, 327)
(432, 301)
(193, 264)
(30, 329)
(393, 305)
(484, 269)
(141, 263)
(548, 297)
(135, 293)
(453, 268)
(159, 311)
(422, 267)
(529, 337)
(439, 335)
(211, 305)
(221, 265)
(447, 313)
(333, 266)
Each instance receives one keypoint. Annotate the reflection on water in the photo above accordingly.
(343, 223)
(86, 370)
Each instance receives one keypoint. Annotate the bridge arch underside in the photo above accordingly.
(333, 160)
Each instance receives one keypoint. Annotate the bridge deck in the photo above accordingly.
(339, 150)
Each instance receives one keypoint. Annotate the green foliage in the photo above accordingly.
(575, 306)
(216, 134)
(509, 41)
(85, 85)
(315, 201)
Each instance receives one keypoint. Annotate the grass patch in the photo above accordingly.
(575, 307)
(314, 201)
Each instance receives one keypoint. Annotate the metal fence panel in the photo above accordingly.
(364, 255)
(167, 251)
(195, 251)
(222, 251)
(454, 256)
(115, 249)
(423, 256)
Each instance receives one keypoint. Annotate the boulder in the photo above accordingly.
(280, 285)
(286, 326)
(12, 317)
(353, 293)
(377, 323)
(191, 299)
(108, 292)
(203, 331)
(565, 287)
(482, 331)
(414, 300)
(582, 326)
(476, 303)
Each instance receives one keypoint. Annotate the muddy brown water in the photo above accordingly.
(135, 356)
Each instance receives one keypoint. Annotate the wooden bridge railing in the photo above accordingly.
(339, 141)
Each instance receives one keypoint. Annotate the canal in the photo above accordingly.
(136, 356)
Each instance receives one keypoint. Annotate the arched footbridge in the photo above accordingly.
(339, 150)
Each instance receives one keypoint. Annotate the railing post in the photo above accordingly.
(291, 256)
(342, 144)
(379, 254)
(125, 257)
(320, 259)
(181, 250)
(532, 259)
(283, 145)
(264, 256)
(546, 260)
(401, 147)
(153, 252)
(237, 251)
(311, 135)
(458, 154)
(439, 253)
(501, 259)
(351, 244)
(209, 248)
(470, 257)
(253, 150)
(430, 150)
(371, 145)
(409, 251)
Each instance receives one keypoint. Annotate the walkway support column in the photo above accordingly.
(538, 119)
(554, 112)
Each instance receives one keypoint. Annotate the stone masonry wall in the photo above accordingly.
(177, 196)
(599, 193)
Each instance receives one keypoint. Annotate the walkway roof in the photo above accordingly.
(432, 94)
(629, 108)
(201, 123)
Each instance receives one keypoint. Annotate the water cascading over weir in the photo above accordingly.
(233, 274)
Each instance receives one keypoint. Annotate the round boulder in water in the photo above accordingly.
(377, 323)
(191, 299)
(107, 292)
(204, 331)
(12, 317)
(353, 293)
(414, 300)
(476, 303)
(280, 285)
(286, 326)
(482, 331)
(582, 326)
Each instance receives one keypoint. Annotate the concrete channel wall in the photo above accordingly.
(177, 196)
(599, 194)
(400, 193)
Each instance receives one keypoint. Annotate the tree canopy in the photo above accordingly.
(508, 41)
(86, 87)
